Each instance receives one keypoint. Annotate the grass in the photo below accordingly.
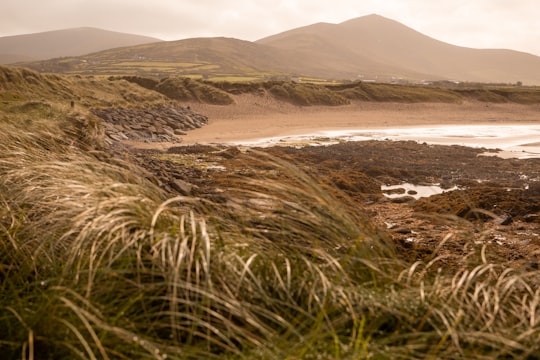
(396, 93)
(189, 89)
(97, 262)
(218, 90)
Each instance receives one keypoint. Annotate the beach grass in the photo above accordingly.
(98, 262)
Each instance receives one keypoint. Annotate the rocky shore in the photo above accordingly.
(157, 124)
(495, 204)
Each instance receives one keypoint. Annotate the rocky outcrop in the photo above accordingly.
(157, 124)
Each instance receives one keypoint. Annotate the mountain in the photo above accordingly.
(390, 45)
(60, 43)
(367, 48)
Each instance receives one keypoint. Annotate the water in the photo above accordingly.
(518, 141)
(412, 190)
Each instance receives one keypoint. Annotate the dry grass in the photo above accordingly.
(188, 89)
(96, 262)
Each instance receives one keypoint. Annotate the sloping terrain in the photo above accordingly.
(220, 56)
(366, 48)
(386, 42)
(306, 94)
(60, 43)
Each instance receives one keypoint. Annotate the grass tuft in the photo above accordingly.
(96, 261)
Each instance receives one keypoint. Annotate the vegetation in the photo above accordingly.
(96, 261)
(307, 94)
(332, 94)
(188, 89)
(396, 93)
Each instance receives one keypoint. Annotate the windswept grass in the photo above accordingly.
(218, 91)
(395, 93)
(188, 89)
(97, 262)
(19, 85)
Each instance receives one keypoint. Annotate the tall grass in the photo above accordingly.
(97, 262)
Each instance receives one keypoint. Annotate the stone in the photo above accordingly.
(402, 230)
(183, 187)
(157, 123)
(505, 219)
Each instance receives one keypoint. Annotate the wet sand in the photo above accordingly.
(253, 118)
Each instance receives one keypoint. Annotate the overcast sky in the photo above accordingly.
(511, 24)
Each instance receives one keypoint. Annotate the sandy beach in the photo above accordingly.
(253, 117)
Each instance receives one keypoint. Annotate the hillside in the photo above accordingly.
(191, 56)
(394, 45)
(366, 48)
(60, 43)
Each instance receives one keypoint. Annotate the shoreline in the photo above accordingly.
(253, 118)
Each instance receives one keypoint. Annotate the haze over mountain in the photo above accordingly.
(68, 42)
(394, 45)
(367, 48)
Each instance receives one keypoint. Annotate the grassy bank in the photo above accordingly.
(97, 261)
(309, 93)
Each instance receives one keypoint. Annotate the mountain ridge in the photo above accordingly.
(64, 42)
(371, 47)
(394, 44)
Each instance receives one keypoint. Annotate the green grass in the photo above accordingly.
(98, 262)
(157, 64)
(233, 78)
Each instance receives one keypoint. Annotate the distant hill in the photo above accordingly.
(390, 45)
(366, 48)
(210, 56)
(60, 43)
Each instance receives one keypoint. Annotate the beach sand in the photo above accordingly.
(253, 117)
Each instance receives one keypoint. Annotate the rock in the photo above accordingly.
(116, 137)
(122, 136)
(532, 218)
(402, 199)
(402, 230)
(183, 187)
(168, 131)
(152, 124)
(136, 126)
(503, 220)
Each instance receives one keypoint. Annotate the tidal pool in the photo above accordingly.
(412, 190)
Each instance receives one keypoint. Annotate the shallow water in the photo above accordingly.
(518, 141)
(412, 190)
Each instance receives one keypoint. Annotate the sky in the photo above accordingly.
(509, 24)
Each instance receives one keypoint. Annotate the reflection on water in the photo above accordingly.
(415, 191)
